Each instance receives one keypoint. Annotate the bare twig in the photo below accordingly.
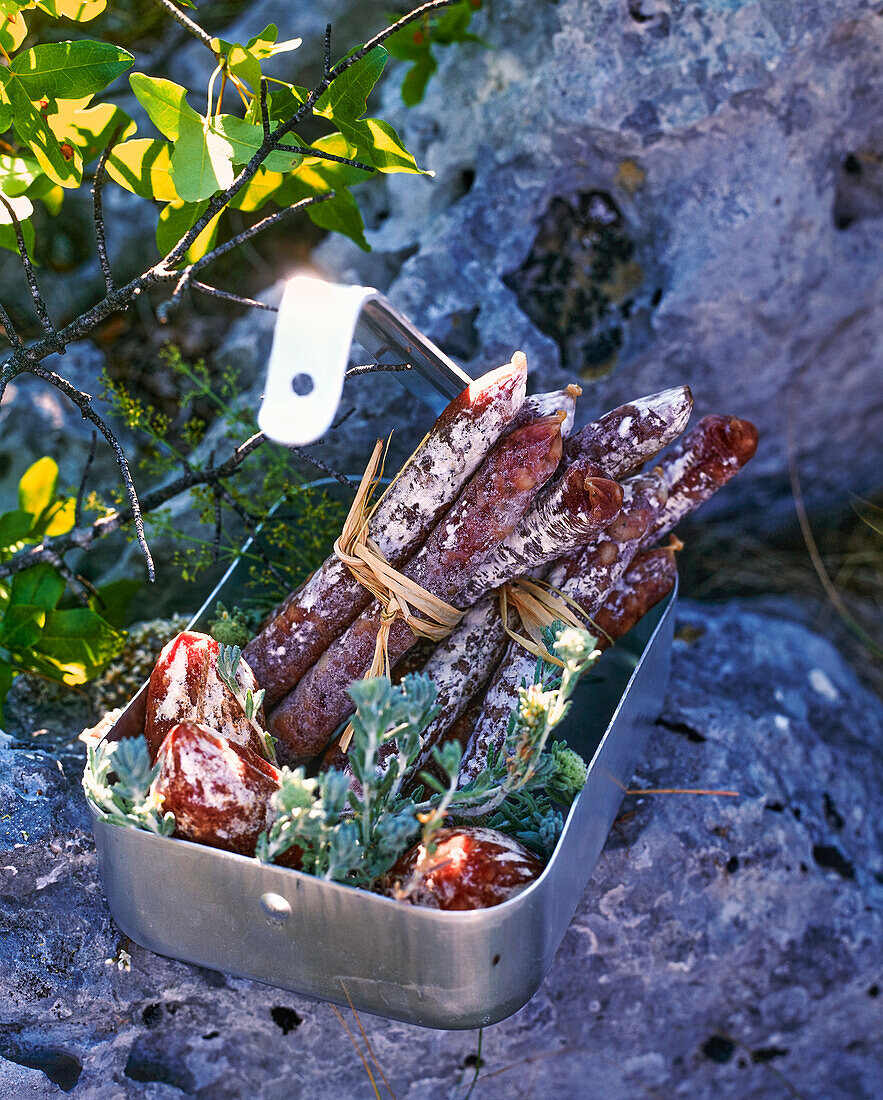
(98, 212)
(11, 335)
(74, 582)
(327, 49)
(306, 151)
(39, 303)
(83, 538)
(377, 368)
(265, 118)
(313, 461)
(83, 401)
(214, 292)
(78, 507)
(186, 22)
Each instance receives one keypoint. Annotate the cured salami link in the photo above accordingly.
(585, 576)
(303, 626)
(219, 792)
(700, 464)
(564, 516)
(646, 582)
(546, 404)
(628, 436)
(489, 508)
(185, 686)
(461, 664)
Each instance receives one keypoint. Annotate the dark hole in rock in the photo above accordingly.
(467, 178)
(61, 1068)
(302, 384)
(657, 296)
(580, 273)
(473, 1060)
(776, 807)
(495, 960)
(145, 1064)
(767, 1054)
(682, 728)
(286, 1018)
(874, 990)
(636, 11)
(832, 815)
(858, 191)
(718, 1049)
(732, 865)
(803, 868)
(795, 810)
(212, 1035)
(151, 1015)
(832, 859)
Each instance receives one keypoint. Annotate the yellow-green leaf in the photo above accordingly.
(13, 31)
(165, 102)
(37, 486)
(175, 220)
(61, 161)
(142, 166)
(17, 174)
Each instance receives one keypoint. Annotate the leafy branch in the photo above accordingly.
(206, 165)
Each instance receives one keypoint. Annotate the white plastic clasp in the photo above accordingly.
(311, 347)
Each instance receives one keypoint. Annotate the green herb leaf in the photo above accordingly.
(202, 159)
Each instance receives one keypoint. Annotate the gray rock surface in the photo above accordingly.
(723, 947)
(657, 192)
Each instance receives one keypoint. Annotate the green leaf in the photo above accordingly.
(345, 102)
(69, 70)
(165, 103)
(7, 675)
(341, 215)
(40, 586)
(37, 485)
(112, 600)
(48, 192)
(21, 626)
(347, 97)
(176, 219)
(63, 163)
(14, 526)
(416, 79)
(246, 138)
(79, 642)
(17, 174)
(202, 160)
(142, 166)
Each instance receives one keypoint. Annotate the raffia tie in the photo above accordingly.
(399, 596)
(539, 605)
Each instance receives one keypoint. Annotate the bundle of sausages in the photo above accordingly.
(499, 489)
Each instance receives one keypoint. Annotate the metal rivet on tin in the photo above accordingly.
(275, 907)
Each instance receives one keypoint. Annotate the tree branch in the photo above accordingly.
(306, 151)
(327, 49)
(11, 335)
(186, 22)
(83, 401)
(98, 212)
(81, 492)
(82, 538)
(39, 303)
(214, 292)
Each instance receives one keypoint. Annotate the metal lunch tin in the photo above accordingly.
(436, 969)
